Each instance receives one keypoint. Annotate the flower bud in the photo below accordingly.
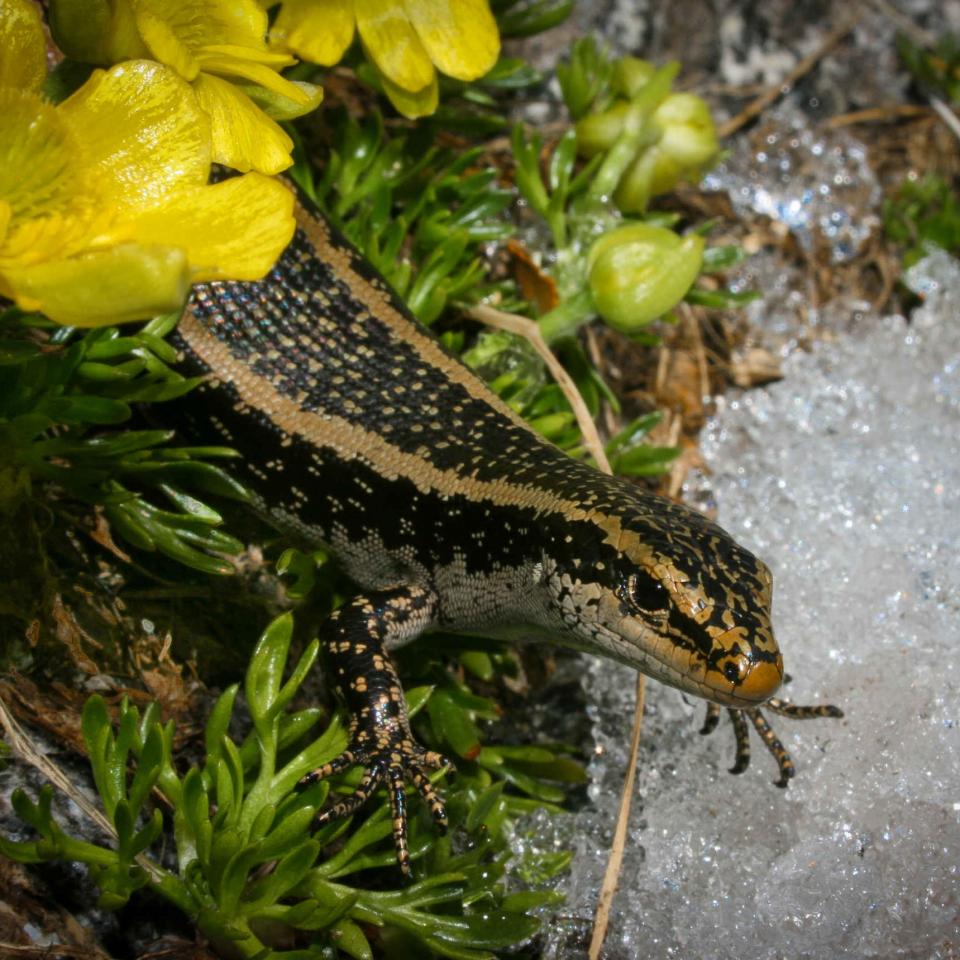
(96, 31)
(638, 272)
(597, 132)
(689, 136)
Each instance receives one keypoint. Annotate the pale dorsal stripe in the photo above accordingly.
(349, 441)
(376, 298)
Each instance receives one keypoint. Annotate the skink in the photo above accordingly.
(360, 432)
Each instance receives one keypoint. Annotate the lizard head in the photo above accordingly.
(660, 587)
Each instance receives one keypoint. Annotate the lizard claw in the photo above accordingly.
(388, 760)
(741, 731)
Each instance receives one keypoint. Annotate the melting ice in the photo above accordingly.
(845, 477)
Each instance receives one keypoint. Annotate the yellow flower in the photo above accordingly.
(219, 47)
(408, 41)
(105, 210)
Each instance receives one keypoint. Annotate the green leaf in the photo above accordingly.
(350, 939)
(716, 259)
(535, 17)
(644, 461)
(720, 299)
(195, 810)
(417, 698)
(291, 869)
(484, 805)
(452, 724)
(148, 769)
(229, 782)
(478, 663)
(291, 830)
(634, 432)
(299, 674)
(265, 672)
(219, 721)
(86, 409)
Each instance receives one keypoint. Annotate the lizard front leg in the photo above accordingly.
(356, 639)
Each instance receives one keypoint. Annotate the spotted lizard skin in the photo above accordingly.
(359, 432)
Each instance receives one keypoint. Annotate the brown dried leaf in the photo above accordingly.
(534, 284)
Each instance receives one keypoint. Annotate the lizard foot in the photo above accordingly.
(390, 756)
(754, 714)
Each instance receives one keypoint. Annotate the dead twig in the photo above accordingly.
(48, 950)
(756, 107)
(528, 329)
(904, 23)
(612, 875)
(950, 119)
(891, 112)
(26, 750)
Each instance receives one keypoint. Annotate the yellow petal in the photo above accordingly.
(197, 23)
(393, 45)
(412, 105)
(269, 58)
(128, 282)
(57, 236)
(460, 36)
(244, 137)
(23, 49)
(230, 230)
(316, 30)
(165, 45)
(257, 72)
(41, 168)
(143, 131)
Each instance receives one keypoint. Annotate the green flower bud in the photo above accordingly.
(597, 132)
(638, 272)
(651, 174)
(689, 136)
(686, 141)
(96, 31)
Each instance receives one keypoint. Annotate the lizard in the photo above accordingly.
(358, 431)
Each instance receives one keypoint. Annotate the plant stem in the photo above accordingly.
(564, 320)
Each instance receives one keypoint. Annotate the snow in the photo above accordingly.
(844, 477)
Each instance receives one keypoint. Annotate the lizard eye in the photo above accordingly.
(647, 593)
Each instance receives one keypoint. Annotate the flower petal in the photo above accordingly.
(257, 72)
(165, 44)
(244, 137)
(23, 49)
(129, 282)
(197, 23)
(6, 215)
(143, 130)
(41, 170)
(412, 105)
(267, 57)
(460, 36)
(316, 30)
(393, 45)
(235, 229)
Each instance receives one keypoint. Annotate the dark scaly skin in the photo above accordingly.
(359, 432)
(380, 740)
